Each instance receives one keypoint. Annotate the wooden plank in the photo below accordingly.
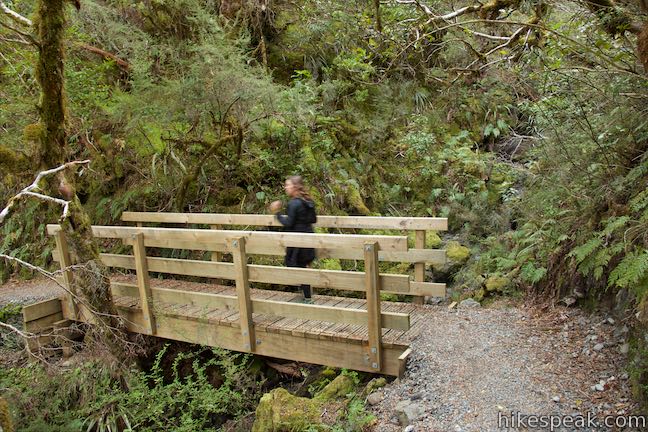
(252, 238)
(243, 293)
(419, 268)
(65, 262)
(366, 222)
(143, 284)
(372, 284)
(43, 323)
(41, 309)
(334, 279)
(432, 289)
(281, 308)
(56, 332)
(402, 361)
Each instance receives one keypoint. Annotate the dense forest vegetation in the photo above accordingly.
(525, 122)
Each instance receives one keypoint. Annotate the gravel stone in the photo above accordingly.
(374, 398)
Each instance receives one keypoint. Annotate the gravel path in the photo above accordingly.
(469, 364)
(26, 292)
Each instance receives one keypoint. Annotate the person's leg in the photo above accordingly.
(306, 289)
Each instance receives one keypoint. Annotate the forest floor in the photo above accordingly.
(473, 366)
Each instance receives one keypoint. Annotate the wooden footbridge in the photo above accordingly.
(364, 334)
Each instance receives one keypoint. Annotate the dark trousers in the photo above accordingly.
(301, 258)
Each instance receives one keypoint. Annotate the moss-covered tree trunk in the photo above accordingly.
(50, 25)
(91, 279)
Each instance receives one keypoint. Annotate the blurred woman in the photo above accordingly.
(299, 216)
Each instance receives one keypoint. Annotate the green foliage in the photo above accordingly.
(205, 388)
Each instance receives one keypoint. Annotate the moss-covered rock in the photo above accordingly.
(279, 411)
(374, 385)
(341, 386)
(456, 252)
(497, 283)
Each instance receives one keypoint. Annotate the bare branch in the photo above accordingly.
(21, 33)
(20, 41)
(16, 330)
(486, 36)
(436, 18)
(15, 15)
(29, 190)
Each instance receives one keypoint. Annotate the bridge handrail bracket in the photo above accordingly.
(239, 256)
(374, 324)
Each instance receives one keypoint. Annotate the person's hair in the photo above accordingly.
(298, 182)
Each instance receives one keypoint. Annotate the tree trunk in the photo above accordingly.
(91, 280)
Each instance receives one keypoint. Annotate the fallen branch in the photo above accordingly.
(123, 64)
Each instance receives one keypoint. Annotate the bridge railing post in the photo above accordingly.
(143, 282)
(374, 325)
(243, 293)
(66, 262)
(419, 268)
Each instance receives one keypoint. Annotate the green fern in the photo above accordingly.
(631, 272)
(583, 251)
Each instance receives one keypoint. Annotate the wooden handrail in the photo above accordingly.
(252, 238)
(358, 222)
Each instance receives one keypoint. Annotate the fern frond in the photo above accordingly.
(631, 271)
(583, 251)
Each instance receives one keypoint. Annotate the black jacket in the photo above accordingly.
(298, 216)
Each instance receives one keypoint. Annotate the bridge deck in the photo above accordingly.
(312, 329)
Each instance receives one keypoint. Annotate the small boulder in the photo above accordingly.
(469, 303)
(374, 398)
(408, 412)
